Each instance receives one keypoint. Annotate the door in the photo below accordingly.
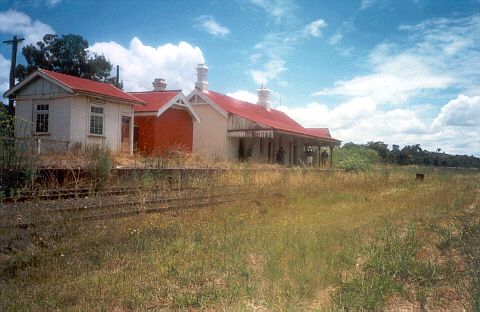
(290, 153)
(135, 138)
(270, 151)
(295, 153)
(125, 134)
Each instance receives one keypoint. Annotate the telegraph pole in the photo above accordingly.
(14, 44)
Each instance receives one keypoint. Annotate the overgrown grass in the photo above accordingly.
(279, 250)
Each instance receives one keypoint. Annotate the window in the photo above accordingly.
(41, 118)
(261, 145)
(96, 120)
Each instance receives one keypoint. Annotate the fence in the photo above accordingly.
(34, 145)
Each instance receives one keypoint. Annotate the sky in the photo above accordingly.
(402, 72)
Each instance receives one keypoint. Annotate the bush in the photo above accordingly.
(17, 156)
(355, 158)
(99, 163)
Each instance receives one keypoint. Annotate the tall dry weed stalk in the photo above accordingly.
(18, 158)
(100, 163)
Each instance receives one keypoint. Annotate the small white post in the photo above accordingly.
(38, 145)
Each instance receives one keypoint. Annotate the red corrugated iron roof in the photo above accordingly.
(154, 99)
(321, 132)
(85, 85)
(254, 112)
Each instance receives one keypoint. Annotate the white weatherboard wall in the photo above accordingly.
(209, 136)
(113, 112)
(69, 115)
(41, 91)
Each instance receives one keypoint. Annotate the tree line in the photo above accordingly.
(415, 155)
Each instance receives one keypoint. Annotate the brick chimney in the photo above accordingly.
(202, 83)
(263, 98)
(159, 84)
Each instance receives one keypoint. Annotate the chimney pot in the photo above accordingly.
(202, 83)
(159, 84)
(263, 98)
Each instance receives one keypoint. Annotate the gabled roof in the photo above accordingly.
(159, 101)
(321, 132)
(78, 85)
(154, 100)
(274, 118)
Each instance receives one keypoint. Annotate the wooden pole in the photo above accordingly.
(331, 156)
(13, 65)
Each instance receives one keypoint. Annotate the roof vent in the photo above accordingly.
(159, 84)
(202, 83)
(263, 98)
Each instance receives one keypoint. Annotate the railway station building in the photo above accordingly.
(165, 123)
(236, 130)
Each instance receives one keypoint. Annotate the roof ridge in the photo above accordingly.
(63, 74)
(274, 118)
(153, 91)
(271, 108)
(70, 81)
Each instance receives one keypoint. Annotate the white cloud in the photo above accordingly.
(346, 27)
(434, 59)
(4, 74)
(210, 25)
(365, 4)
(52, 3)
(436, 54)
(393, 81)
(452, 46)
(140, 63)
(279, 10)
(275, 47)
(315, 28)
(464, 111)
(455, 129)
(244, 96)
(19, 23)
(336, 38)
(360, 120)
(271, 71)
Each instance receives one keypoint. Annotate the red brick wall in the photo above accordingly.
(173, 130)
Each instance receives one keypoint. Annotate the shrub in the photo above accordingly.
(17, 156)
(99, 163)
(355, 158)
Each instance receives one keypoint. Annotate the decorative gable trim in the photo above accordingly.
(30, 79)
(179, 100)
(205, 101)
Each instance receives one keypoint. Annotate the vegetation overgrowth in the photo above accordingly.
(415, 155)
(17, 158)
(310, 240)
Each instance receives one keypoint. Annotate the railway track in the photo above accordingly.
(55, 194)
(108, 210)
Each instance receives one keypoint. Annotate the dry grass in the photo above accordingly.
(292, 247)
(76, 158)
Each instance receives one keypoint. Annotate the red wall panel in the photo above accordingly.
(173, 130)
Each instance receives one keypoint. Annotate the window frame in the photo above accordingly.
(41, 112)
(96, 114)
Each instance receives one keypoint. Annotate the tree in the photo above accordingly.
(381, 148)
(67, 54)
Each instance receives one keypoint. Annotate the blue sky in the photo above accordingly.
(402, 72)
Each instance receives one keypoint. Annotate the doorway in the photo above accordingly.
(125, 136)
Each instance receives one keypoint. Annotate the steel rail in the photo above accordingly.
(153, 204)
